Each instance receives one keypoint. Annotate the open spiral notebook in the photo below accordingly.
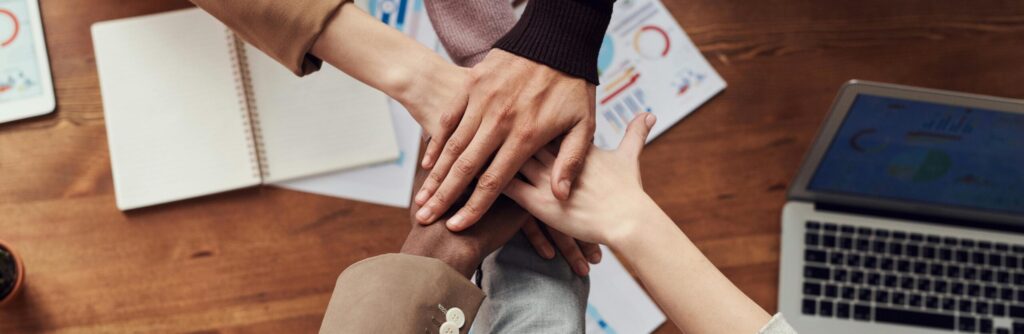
(192, 110)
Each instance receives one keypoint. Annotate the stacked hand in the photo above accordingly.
(607, 197)
(515, 106)
(546, 102)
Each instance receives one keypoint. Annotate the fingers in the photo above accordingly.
(459, 177)
(636, 134)
(540, 242)
(491, 183)
(524, 194)
(569, 161)
(452, 149)
(535, 172)
(545, 157)
(591, 251)
(434, 147)
(571, 251)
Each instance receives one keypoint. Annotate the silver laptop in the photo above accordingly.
(907, 216)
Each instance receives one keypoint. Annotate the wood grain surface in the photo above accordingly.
(265, 259)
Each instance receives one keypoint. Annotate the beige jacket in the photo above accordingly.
(393, 293)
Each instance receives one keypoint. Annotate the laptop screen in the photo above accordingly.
(928, 153)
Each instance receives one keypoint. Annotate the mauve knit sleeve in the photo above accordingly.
(469, 28)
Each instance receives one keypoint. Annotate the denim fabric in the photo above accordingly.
(528, 294)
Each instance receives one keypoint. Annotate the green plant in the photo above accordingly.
(8, 272)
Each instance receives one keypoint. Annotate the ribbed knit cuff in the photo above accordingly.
(563, 34)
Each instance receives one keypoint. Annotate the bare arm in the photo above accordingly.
(609, 206)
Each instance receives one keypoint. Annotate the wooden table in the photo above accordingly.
(265, 259)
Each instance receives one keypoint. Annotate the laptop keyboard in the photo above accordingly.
(896, 277)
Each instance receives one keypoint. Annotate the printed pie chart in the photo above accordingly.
(8, 27)
(651, 42)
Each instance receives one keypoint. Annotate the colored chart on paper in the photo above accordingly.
(648, 63)
(19, 71)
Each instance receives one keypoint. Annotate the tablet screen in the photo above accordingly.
(19, 69)
(927, 153)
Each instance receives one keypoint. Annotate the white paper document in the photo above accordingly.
(617, 304)
(648, 63)
(390, 183)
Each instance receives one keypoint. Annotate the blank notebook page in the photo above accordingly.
(174, 117)
(323, 122)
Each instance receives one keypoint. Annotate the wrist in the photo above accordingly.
(641, 217)
(431, 241)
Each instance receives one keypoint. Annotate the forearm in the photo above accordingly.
(382, 57)
(695, 294)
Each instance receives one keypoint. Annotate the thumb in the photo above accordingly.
(636, 134)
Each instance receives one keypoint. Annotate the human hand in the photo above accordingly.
(609, 194)
(576, 253)
(515, 107)
(464, 251)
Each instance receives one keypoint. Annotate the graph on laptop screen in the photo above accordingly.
(927, 153)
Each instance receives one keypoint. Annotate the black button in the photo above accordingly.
(856, 276)
(949, 241)
(890, 280)
(811, 239)
(913, 250)
(809, 307)
(914, 300)
(985, 325)
(829, 227)
(914, 318)
(811, 255)
(881, 296)
(843, 310)
(862, 312)
(839, 275)
(981, 307)
(853, 260)
(928, 252)
(812, 289)
(899, 298)
(848, 292)
(816, 272)
(825, 308)
(1002, 247)
(940, 286)
(846, 229)
(998, 309)
(984, 245)
(836, 258)
(880, 233)
(966, 324)
(931, 302)
(995, 260)
(864, 294)
(916, 237)
(828, 240)
(948, 304)
(813, 225)
(864, 230)
(897, 235)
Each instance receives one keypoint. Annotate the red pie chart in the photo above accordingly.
(4, 16)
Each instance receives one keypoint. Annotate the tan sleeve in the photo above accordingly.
(285, 30)
(399, 293)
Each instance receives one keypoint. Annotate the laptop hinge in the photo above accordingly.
(919, 217)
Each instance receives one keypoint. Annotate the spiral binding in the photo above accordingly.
(243, 85)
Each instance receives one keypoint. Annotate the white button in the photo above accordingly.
(449, 328)
(456, 317)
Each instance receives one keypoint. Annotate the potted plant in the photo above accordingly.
(12, 273)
